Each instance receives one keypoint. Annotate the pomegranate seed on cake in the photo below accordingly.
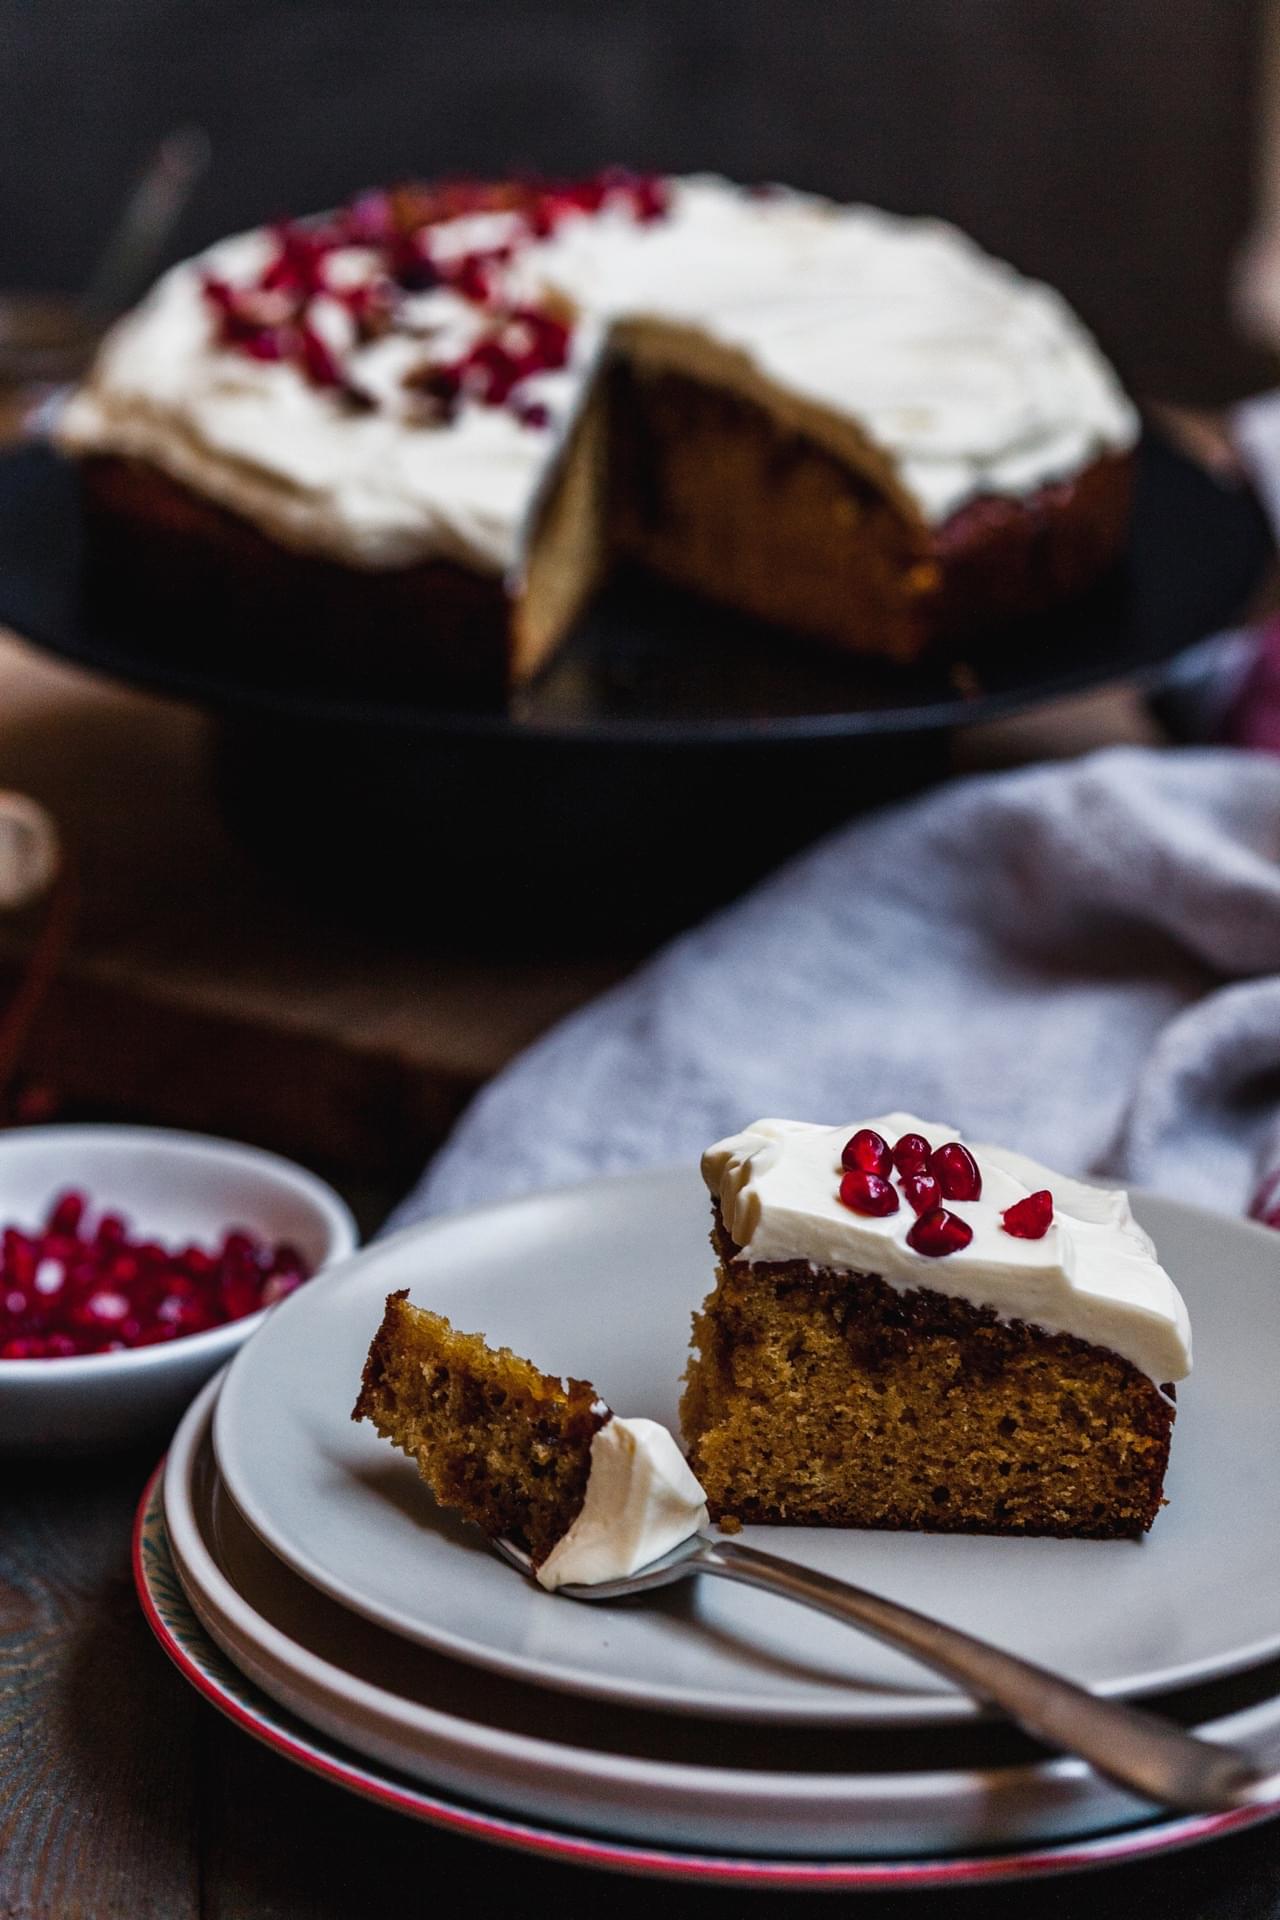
(999, 1355)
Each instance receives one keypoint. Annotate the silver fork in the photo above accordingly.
(1136, 1749)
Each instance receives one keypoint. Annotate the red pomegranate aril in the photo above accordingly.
(911, 1153)
(921, 1192)
(1029, 1219)
(956, 1171)
(20, 1262)
(318, 359)
(939, 1233)
(270, 316)
(864, 1192)
(102, 1309)
(50, 1277)
(868, 1151)
(66, 1213)
(153, 1336)
(77, 1289)
(279, 1285)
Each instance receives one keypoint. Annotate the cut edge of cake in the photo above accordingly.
(687, 460)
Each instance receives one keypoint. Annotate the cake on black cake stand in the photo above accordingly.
(672, 753)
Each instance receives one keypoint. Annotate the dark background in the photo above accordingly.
(1107, 147)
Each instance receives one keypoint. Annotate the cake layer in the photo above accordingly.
(723, 488)
(819, 1398)
(158, 553)
(799, 556)
(1093, 1274)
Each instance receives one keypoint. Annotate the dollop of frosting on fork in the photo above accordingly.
(641, 1501)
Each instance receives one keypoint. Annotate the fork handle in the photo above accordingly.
(1137, 1750)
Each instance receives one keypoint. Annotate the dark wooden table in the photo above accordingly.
(121, 1792)
(123, 1796)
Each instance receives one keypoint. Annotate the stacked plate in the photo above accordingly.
(710, 1732)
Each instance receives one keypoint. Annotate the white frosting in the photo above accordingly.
(972, 379)
(641, 1501)
(1094, 1275)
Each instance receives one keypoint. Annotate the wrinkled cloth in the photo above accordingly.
(1081, 961)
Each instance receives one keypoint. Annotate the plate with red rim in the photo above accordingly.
(643, 1792)
(599, 1281)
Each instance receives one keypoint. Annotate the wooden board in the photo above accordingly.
(198, 993)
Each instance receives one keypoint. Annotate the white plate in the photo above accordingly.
(652, 1779)
(599, 1280)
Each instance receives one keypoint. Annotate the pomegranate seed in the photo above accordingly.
(20, 1261)
(1029, 1219)
(66, 1213)
(154, 1335)
(956, 1171)
(279, 1286)
(921, 1192)
(74, 1289)
(911, 1153)
(270, 316)
(104, 1309)
(321, 366)
(939, 1233)
(867, 1151)
(866, 1192)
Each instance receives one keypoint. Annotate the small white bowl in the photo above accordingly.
(175, 1188)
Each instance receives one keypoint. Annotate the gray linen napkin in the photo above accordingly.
(1081, 961)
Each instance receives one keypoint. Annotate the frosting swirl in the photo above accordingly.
(1094, 1274)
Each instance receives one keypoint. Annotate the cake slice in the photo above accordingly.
(908, 1332)
(523, 1455)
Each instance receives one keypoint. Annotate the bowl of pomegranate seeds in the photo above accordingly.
(133, 1262)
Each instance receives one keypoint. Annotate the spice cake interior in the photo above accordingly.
(507, 1446)
(688, 462)
(833, 1399)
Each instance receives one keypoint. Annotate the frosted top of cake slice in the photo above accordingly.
(1094, 1274)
